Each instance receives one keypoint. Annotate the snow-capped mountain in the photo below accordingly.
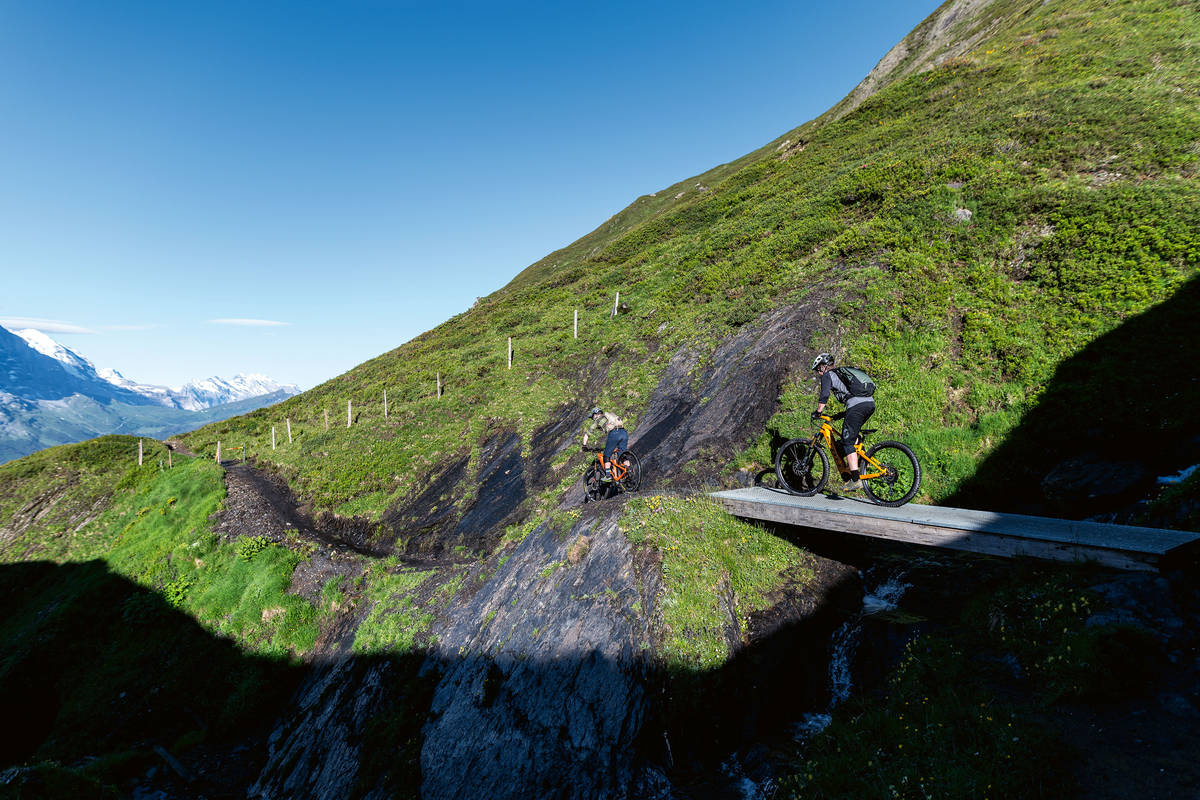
(50, 394)
(192, 396)
(218, 391)
(71, 361)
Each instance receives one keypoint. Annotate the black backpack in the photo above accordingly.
(858, 382)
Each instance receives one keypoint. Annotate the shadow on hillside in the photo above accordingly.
(1114, 416)
(115, 689)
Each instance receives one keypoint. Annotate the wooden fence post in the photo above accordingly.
(289, 427)
(385, 403)
(218, 451)
(139, 452)
(347, 413)
(616, 303)
(439, 385)
(326, 419)
(272, 437)
(170, 465)
(510, 352)
(577, 323)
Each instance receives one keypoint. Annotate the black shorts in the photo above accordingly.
(852, 423)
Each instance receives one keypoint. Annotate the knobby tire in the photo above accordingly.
(633, 476)
(904, 474)
(801, 468)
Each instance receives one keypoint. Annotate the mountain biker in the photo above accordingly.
(617, 440)
(858, 410)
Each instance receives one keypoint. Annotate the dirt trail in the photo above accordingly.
(260, 504)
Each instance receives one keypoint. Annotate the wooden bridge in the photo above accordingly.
(1120, 546)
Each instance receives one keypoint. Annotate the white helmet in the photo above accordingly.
(824, 358)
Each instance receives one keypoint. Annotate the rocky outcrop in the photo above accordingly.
(543, 688)
(704, 410)
(317, 752)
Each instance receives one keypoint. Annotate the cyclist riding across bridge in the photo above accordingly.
(617, 440)
(854, 388)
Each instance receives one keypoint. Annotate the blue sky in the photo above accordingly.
(176, 175)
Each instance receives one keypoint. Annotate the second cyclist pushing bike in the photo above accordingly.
(617, 468)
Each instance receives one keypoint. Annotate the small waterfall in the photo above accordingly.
(745, 785)
(877, 598)
(882, 597)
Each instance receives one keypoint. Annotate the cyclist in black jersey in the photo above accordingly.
(858, 410)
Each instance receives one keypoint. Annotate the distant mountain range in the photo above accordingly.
(50, 394)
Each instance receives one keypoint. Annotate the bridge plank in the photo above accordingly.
(995, 533)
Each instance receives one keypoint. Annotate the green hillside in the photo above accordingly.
(967, 229)
(1001, 224)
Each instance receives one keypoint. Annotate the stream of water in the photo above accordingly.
(881, 593)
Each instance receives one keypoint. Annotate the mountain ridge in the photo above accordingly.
(53, 395)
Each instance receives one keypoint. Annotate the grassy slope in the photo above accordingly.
(1071, 134)
(120, 588)
(1073, 137)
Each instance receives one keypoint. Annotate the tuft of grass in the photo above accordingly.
(396, 618)
(705, 551)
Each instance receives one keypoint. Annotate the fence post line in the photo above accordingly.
(326, 419)
(510, 352)
(289, 427)
(139, 452)
(272, 437)
(577, 323)
(439, 385)
(347, 413)
(385, 403)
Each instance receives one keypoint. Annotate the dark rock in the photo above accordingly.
(1179, 705)
(1141, 601)
(501, 489)
(1089, 482)
(543, 686)
(317, 751)
(703, 411)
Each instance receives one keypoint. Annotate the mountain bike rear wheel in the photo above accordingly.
(633, 471)
(901, 476)
(596, 490)
(801, 468)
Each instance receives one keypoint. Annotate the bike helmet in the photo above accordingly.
(595, 411)
(824, 358)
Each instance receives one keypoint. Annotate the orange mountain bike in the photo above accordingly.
(891, 474)
(626, 471)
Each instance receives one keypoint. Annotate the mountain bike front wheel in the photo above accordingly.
(633, 471)
(897, 478)
(592, 484)
(801, 468)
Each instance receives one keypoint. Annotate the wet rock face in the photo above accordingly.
(702, 413)
(543, 691)
(423, 520)
(317, 752)
(501, 486)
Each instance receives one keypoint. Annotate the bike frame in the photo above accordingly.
(827, 432)
(615, 467)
